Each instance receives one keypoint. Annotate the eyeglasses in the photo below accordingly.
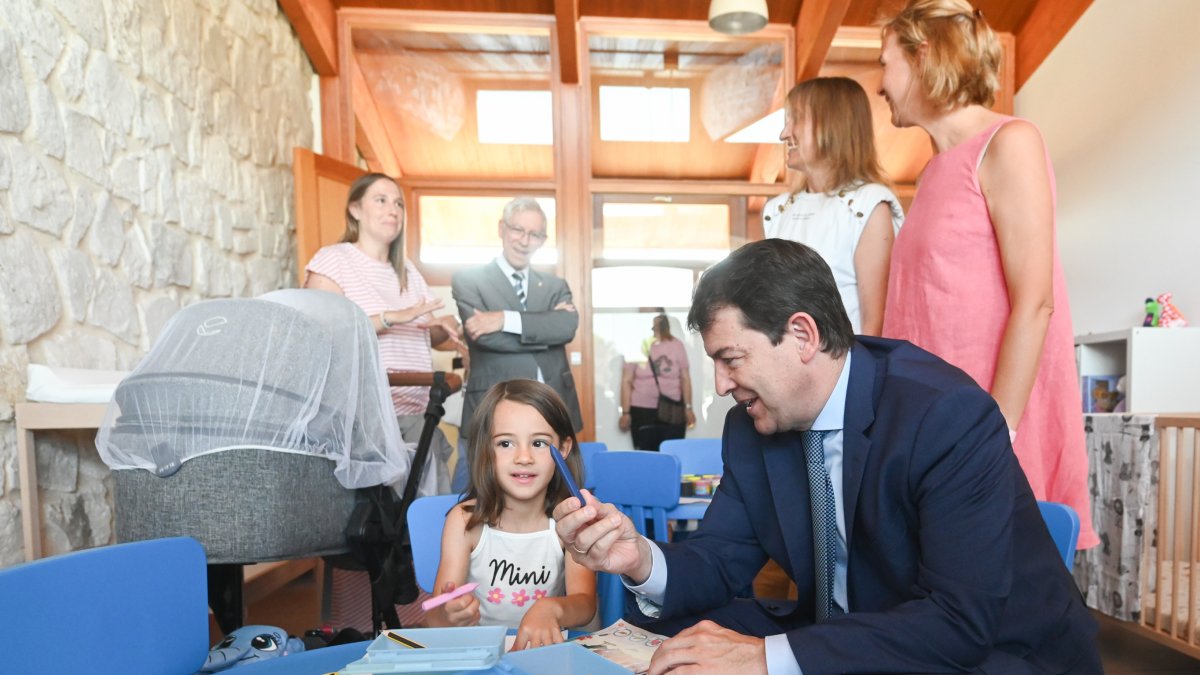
(520, 233)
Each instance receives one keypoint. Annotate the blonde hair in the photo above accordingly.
(961, 64)
(396, 250)
(843, 130)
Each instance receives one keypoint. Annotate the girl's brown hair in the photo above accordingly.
(396, 250)
(485, 489)
(961, 62)
(843, 131)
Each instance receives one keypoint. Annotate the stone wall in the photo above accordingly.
(145, 164)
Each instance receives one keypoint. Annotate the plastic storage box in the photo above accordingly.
(443, 649)
(566, 658)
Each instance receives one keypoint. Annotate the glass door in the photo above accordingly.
(648, 253)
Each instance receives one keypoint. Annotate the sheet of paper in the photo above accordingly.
(624, 644)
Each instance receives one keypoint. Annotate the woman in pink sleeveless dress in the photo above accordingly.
(975, 275)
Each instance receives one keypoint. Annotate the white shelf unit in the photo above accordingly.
(1161, 366)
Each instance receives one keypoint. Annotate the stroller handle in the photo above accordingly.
(409, 379)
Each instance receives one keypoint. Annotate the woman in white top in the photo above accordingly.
(841, 207)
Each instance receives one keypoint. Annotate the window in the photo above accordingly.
(517, 117)
(663, 229)
(641, 286)
(655, 114)
(462, 229)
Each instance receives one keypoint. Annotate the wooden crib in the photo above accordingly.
(1170, 600)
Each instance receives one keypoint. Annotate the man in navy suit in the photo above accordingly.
(517, 320)
(919, 548)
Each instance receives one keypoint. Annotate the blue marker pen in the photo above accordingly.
(566, 474)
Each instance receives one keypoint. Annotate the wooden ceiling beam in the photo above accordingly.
(566, 19)
(816, 26)
(315, 22)
(370, 121)
(1042, 31)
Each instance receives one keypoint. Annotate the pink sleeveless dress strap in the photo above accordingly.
(947, 294)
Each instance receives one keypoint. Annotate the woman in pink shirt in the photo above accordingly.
(369, 268)
(975, 275)
(667, 359)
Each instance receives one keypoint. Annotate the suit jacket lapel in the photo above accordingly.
(788, 479)
(860, 414)
(536, 293)
(504, 285)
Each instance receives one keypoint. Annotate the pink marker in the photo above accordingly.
(442, 599)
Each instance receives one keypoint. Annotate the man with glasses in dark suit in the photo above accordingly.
(517, 320)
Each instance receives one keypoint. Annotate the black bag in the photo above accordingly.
(670, 411)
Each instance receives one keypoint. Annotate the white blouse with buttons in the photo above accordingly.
(831, 223)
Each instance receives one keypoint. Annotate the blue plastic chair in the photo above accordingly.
(699, 456)
(588, 452)
(1063, 523)
(426, 518)
(139, 607)
(644, 485)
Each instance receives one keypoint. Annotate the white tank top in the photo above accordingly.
(514, 570)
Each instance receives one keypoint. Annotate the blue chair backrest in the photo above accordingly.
(426, 517)
(698, 456)
(589, 451)
(643, 485)
(140, 607)
(1063, 523)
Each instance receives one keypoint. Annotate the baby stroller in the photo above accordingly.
(264, 429)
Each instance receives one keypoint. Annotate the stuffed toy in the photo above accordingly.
(1153, 312)
(250, 644)
(1170, 317)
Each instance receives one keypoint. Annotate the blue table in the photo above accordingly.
(689, 510)
(559, 659)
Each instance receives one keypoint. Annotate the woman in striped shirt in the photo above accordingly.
(369, 268)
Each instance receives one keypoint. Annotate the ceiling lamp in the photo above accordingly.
(737, 17)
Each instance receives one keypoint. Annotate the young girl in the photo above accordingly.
(501, 536)
(841, 208)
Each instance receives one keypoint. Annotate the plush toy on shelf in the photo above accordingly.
(1170, 316)
(1153, 312)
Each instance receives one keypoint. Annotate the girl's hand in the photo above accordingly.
(540, 626)
(691, 419)
(463, 610)
(624, 422)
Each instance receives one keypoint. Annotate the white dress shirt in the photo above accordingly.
(512, 318)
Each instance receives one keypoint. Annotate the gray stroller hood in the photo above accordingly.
(293, 371)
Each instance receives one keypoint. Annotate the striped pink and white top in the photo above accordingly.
(374, 286)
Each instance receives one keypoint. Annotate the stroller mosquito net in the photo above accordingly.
(295, 371)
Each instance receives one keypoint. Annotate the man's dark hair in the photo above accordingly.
(769, 281)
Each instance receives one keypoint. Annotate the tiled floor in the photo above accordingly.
(295, 608)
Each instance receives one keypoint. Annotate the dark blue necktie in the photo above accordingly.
(519, 287)
(824, 522)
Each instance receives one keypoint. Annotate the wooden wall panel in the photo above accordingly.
(321, 186)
